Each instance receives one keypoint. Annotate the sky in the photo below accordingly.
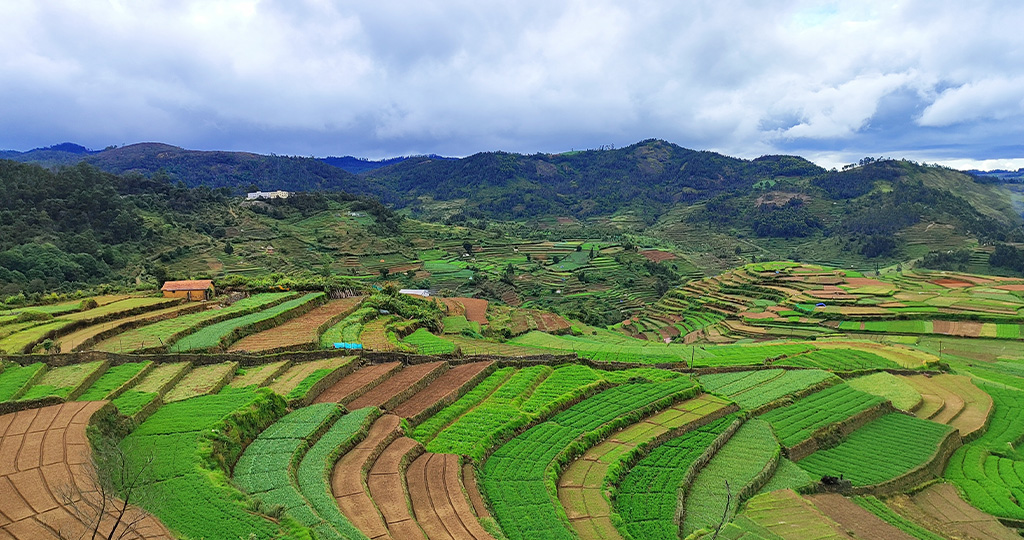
(930, 80)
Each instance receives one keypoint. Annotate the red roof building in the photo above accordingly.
(193, 289)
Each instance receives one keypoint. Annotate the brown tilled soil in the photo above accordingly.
(348, 479)
(952, 283)
(298, 331)
(476, 309)
(358, 383)
(473, 491)
(418, 375)
(45, 453)
(445, 387)
(953, 400)
(957, 328)
(386, 484)
(549, 322)
(940, 508)
(853, 518)
(438, 500)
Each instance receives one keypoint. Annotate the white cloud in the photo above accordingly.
(392, 77)
(996, 98)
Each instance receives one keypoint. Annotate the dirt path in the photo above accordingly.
(444, 390)
(853, 518)
(438, 501)
(358, 383)
(45, 456)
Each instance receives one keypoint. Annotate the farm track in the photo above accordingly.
(953, 400)
(445, 389)
(45, 455)
(358, 383)
(400, 385)
(299, 331)
(853, 518)
(581, 485)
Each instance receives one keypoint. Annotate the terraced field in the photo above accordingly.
(581, 485)
(300, 445)
(301, 332)
(798, 422)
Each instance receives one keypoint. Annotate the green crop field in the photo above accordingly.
(112, 379)
(897, 390)
(62, 381)
(427, 343)
(15, 378)
(514, 476)
(267, 467)
(193, 499)
(213, 336)
(160, 333)
(839, 360)
(753, 389)
(881, 450)
(797, 422)
(647, 497)
(750, 451)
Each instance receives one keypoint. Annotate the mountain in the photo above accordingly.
(646, 178)
(59, 154)
(239, 171)
(356, 165)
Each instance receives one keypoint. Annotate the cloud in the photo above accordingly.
(457, 77)
(992, 99)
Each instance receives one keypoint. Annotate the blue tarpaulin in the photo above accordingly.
(348, 345)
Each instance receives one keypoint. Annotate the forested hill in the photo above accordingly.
(239, 171)
(78, 225)
(647, 178)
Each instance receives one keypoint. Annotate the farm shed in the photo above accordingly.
(193, 289)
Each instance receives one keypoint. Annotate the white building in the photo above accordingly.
(267, 195)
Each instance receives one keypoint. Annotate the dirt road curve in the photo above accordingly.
(44, 456)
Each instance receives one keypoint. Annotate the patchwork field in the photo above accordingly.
(727, 408)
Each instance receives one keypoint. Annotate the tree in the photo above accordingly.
(101, 498)
(228, 248)
(384, 273)
(468, 246)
